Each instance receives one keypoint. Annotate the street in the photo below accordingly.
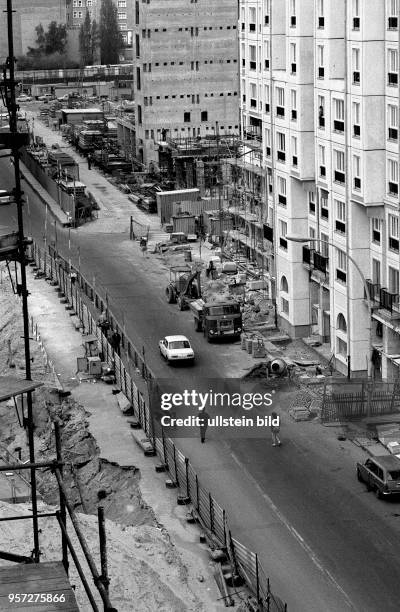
(324, 541)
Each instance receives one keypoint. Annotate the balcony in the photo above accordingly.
(281, 155)
(393, 133)
(266, 64)
(392, 23)
(253, 65)
(339, 177)
(294, 161)
(282, 199)
(388, 300)
(294, 115)
(341, 276)
(268, 233)
(356, 77)
(324, 212)
(252, 27)
(393, 79)
(393, 244)
(268, 151)
(321, 122)
(321, 72)
(340, 227)
(280, 111)
(322, 171)
(393, 189)
(357, 182)
(267, 107)
(252, 136)
(253, 103)
(294, 68)
(374, 290)
(293, 21)
(320, 262)
(321, 22)
(338, 125)
(266, 20)
(356, 131)
(283, 243)
(356, 23)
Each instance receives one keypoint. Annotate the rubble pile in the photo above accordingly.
(257, 310)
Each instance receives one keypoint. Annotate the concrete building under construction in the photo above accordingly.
(186, 76)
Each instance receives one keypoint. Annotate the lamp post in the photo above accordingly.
(305, 240)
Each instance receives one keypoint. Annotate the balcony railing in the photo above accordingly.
(320, 262)
(338, 126)
(388, 300)
(339, 177)
(374, 290)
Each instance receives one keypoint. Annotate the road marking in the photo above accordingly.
(294, 532)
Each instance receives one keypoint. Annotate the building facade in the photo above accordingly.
(320, 103)
(186, 75)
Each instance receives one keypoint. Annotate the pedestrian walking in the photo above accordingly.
(275, 429)
(89, 161)
(203, 425)
(115, 341)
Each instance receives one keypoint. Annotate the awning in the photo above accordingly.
(10, 386)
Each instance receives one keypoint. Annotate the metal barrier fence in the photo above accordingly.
(73, 285)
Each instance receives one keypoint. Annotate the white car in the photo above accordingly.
(46, 97)
(24, 98)
(5, 197)
(176, 348)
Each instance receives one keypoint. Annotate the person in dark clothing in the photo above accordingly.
(203, 426)
(89, 161)
(115, 342)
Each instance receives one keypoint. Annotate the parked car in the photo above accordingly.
(46, 97)
(63, 98)
(24, 98)
(5, 197)
(176, 348)
(380, 474)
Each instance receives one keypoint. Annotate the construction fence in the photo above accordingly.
(85, 301)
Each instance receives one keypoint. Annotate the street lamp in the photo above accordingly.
(305, 240)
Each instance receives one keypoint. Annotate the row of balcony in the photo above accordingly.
(382, 298)
(314, 258)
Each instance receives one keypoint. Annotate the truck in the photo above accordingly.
(184, 286)
(222, 319)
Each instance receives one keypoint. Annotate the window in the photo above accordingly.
(281, 190)
(267, 98)
(293, 102)
(284, 284)
(393, 67)
(338, 172)
(253, 57)
(356, 119)
(253, 95)
(393, 11)
(268, 142)
(282, 234)
(252, 19)
(294, 151)
(266, 55)
(341, 266)
(393, 227)
(186, 117)
(284, 306)
(340, 223)
(376, 225)
(293, 55)
(341, 323)
(321, 18)
(281, 145)
(324, 205)
(376, 272)
(393, 122)
(338, 112)
(121, 15)
(324, 245)
(320, 59)
(321, 111)
(311, 202)
(121, 3)
(204, 115)
(322, 161)
(356, 66)
(393, 280)
(356, 14)
(393, 176)
(292, 13)
(356, 172)
(280, 99)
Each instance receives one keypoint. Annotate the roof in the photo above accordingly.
(11, 386)
(80, 111)
(176, 338)
(388, 461)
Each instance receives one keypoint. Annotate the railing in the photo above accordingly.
(388, 300)
(210, 513)
(320, 262)
(374, 290)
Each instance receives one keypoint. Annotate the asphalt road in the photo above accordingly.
(326, 543)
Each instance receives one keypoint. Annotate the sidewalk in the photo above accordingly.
(115, 206)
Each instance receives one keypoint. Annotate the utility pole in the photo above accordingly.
(16, 142)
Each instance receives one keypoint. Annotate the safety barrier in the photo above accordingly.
(213, 518)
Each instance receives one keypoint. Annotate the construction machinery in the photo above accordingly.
(217, 319)
(184, 286)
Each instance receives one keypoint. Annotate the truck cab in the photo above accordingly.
(217, 319)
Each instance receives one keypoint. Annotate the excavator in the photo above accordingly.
(184, 286)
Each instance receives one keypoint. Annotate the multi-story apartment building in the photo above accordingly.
(320, 94)
(76, 13)
(186, 76)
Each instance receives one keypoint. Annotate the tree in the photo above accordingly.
(50, 42)
(85, 45)
(110, 37)
(56, 38)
